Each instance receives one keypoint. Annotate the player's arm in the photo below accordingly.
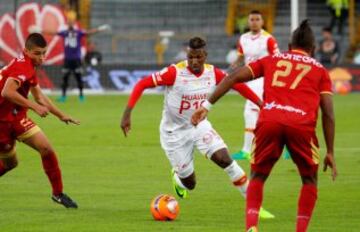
(164, 77)
(101, 28)
(241, 88)
(43, 100)
(135, 95)
(10, 93)
(328, 125)
(240, 74)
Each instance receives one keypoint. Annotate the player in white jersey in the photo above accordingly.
(253, 45)
(187, 86)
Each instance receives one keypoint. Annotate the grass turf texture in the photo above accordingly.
(113, 178)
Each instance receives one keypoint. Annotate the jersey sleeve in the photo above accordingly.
(165, 76)
(61, 33)
(139, 88)
(325, 84)
(272, 46)
(219, 75)
(246, 92)
(257, 68)
(21, 74)
(81, 33)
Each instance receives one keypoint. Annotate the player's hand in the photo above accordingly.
(199, 115)
(42, 111)
(68, 119)
(329, 161)
(104, 27)
(126, 121)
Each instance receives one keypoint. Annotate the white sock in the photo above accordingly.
(248, 138)
(178, 181)
(238, 177)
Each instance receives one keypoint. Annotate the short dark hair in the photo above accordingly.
(255, 12)
(197, 43)
(327, 29)
(35, 40)
(303, 36)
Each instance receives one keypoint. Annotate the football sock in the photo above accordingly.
(238, 177)
(2, 168)
(253, 202)
(248, 138)
(306, 204)
(178, 181)
(52, 170)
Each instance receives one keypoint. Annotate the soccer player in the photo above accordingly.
(187, 85)
(16, 80)
(296, 85)
(251, 46)
(72, 54)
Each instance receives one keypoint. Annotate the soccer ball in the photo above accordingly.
(164, 208)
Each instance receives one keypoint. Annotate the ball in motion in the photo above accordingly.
(164, 208)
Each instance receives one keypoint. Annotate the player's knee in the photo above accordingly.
(45, 150)
(309, 179)
(222, 158)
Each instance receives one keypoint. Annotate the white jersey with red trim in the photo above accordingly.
(186, 95)
(254, 47)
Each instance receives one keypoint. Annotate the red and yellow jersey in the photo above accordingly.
(22, 70)
(292, 88)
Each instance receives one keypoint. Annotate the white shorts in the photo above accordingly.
(179, 146)
(251, 110)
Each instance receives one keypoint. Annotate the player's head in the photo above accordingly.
(255, 21)
(196, 54)
(35, 48)
(326, 33)
(71, 19)
(303, 38)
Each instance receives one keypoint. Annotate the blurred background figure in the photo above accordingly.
(182, 54)
(339, 12)
(328, 51)
(92, 59)
(232, 55)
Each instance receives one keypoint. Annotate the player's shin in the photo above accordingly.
(253, 202)
(52, 170)
(238, 177)
(306, 204)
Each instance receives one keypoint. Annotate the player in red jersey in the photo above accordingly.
(296, 85)
(16, 80)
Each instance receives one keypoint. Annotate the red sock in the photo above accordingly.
(52, 170)
(306, 204)
(254, 197)
(2, 168)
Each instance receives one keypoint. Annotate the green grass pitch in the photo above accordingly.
(113, 178)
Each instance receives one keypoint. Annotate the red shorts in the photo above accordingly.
(16, 130)
(270, 139)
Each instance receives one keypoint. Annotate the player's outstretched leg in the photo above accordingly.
(237, 176)
(40, 143)
(180, 189)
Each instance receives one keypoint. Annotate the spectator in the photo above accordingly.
(339, 11)
(328, 51)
